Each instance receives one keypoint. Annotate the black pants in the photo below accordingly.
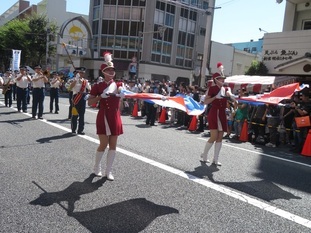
(80, 106)
(8, 97)
(54, 96)
(21, 95)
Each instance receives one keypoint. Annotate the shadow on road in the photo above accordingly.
(128, 216)
(49, 139)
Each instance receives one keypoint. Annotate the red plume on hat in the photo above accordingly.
(220, 67)
(108, 61)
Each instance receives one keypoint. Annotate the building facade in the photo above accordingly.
(165, 36)
(289, 52)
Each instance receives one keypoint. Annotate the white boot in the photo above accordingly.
(97, 166)
(208, 146)
(110, 158)
(216, 153)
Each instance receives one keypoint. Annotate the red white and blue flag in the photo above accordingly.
(182, 102)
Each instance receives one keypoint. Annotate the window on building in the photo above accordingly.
(160, 6)
(122, 28)
(179, 62)
(156, 58)
(95, 13)
(110, 2)
(166, 59)
(134, 28)
(205, 5)
(170, 8)
(109, 12)
(96, 2)
(169, 20)
(306, 25)
(159, 17)
(95, 27)
(108, 27)
(202, 31)
(254, 49)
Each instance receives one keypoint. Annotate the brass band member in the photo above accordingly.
(38, 92)
(79, 88)
(7, 87)
(56, 82)
(22, 82)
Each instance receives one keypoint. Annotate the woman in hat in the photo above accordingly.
(216, 96)
(108, 121)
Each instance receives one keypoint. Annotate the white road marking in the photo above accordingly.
(252, 201)
(263, 154)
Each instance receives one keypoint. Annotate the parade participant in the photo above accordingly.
(217, 97)
(16, 73)
(79, 88)
(67, 85)
(38, 92)
(22, 81)
(54, 91)
(7, 88)
(108, 121)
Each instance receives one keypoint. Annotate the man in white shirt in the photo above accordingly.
(54, 91)
(38, 92)
(79, 88)
(7, 87)
(22, 80)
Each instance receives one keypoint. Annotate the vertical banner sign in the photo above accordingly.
(16, 59)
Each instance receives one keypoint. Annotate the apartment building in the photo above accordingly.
(289, 52)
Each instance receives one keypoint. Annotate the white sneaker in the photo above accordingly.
(269, 144)
(216, 163)
(202, 159)
(110, 176)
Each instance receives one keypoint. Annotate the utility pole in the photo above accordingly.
(48, 31)
(207, 42)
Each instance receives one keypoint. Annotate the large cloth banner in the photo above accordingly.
(182, 102)
(16, 59)
(275, 96)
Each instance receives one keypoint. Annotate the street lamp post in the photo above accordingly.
(200, 58)
(140, 34)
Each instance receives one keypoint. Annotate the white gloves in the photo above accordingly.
(104, 95)
(121, 95)
(218, 96)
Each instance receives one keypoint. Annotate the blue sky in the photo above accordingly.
(236, 21)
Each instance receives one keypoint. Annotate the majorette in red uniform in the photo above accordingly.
(108, 121)
(217, 120)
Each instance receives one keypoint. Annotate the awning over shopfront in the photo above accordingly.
(256, 84)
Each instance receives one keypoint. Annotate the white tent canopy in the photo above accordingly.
(257, 84)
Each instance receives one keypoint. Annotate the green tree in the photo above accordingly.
(257, 68)
(29, 35)
(12, 36)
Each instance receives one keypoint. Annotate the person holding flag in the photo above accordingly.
(108, 121)
(217, 96)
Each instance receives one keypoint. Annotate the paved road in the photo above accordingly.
(160, 185)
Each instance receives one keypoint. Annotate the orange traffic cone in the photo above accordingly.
(244, 132)
(306, 151)
(135, 110)
(193, 124)
(162, 118)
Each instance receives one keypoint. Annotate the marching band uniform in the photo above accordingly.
(54, 92)
(77, 90)
(22, 90)
(217, 119)
(38, 92)
(108, 121)
(8, 84)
